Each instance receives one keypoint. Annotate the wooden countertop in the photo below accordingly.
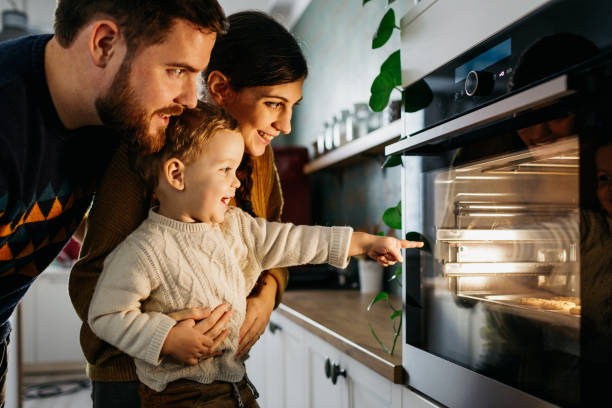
(340, 318)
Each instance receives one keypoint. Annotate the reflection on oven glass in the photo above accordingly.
(508, 250)
(517, 253)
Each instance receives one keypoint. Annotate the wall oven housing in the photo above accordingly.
(513, 304)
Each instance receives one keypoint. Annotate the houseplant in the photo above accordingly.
(414, 97)
(392, 217)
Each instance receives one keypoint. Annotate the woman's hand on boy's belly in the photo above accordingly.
(208, 329)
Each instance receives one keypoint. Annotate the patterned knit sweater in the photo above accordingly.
(166, 266)
(119, 206)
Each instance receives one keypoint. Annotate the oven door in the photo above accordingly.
(513, 304)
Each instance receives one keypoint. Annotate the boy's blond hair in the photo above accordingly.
(186, 137)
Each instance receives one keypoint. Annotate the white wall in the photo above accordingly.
(40, 13)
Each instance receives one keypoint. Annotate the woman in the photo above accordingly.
(256, 73)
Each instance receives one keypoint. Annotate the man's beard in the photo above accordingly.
(119, 109)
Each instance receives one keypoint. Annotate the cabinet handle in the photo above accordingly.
(328, 368)
(275, 327)
(337, 372)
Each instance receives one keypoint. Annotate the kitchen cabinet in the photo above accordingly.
(50, 327)
(291, 367)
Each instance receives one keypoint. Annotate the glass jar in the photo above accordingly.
(329, 141)
(321, 143)
(346, 130)
(375, 121)
(337, 142)
(361, 112)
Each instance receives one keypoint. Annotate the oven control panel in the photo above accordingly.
(488, 72)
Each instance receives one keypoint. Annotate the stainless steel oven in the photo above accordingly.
(513, 304)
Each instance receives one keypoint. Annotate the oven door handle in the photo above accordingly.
(548, 91)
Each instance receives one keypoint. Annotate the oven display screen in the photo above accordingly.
(484, 60)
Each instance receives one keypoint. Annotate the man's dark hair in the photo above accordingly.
(142, 22)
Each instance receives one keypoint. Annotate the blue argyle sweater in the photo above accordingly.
(47, 173)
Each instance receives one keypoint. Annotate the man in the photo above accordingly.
(124, 64)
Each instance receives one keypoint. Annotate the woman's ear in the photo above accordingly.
(219, 88)
(174, 173)
(103, 42)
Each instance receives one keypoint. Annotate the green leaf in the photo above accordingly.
(389, 3)
(379, 297)
(397, 273)
(392, 161)
(393, 66)
(378, 340)
(416, 96)
(365, 1)
(385, 29)
(416, 236)
(397, 333)
(395, 314)
(381, 91)
(392, 217)
(380, 233)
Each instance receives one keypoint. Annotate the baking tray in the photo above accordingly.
(511, 303)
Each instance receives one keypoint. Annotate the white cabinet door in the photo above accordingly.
(256, 368)
(277, 365)
(367, 388)
(288, 368)
(50, 326)
(295, 368)
(274, 367)
(322, 391)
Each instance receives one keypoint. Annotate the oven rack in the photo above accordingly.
(487, 235)
(506, 268)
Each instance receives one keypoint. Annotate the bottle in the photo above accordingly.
(336, 132)
(360, 114)
(346, 131)
(329, 141)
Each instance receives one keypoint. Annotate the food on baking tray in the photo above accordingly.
(572, 299)
(556, 303)
(551, 304)
(530, 301)
(576, 310)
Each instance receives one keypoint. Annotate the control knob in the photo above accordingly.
(479, 83)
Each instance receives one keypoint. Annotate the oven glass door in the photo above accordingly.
(519, 221)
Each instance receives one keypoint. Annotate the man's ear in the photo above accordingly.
(219, 88)
(103, 42)
(174, 173)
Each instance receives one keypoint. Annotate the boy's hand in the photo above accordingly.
(187, 344)
(384, 250)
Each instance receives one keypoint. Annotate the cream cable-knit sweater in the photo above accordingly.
(166, 266)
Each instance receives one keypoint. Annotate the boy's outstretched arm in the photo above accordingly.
(384, 250)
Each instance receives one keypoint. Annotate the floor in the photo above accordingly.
(57, 391)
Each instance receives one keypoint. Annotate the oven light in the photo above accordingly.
(480, 178)
(548, 165)
(565, 158)
(493, 215)
(496, 207)
(484, 194)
